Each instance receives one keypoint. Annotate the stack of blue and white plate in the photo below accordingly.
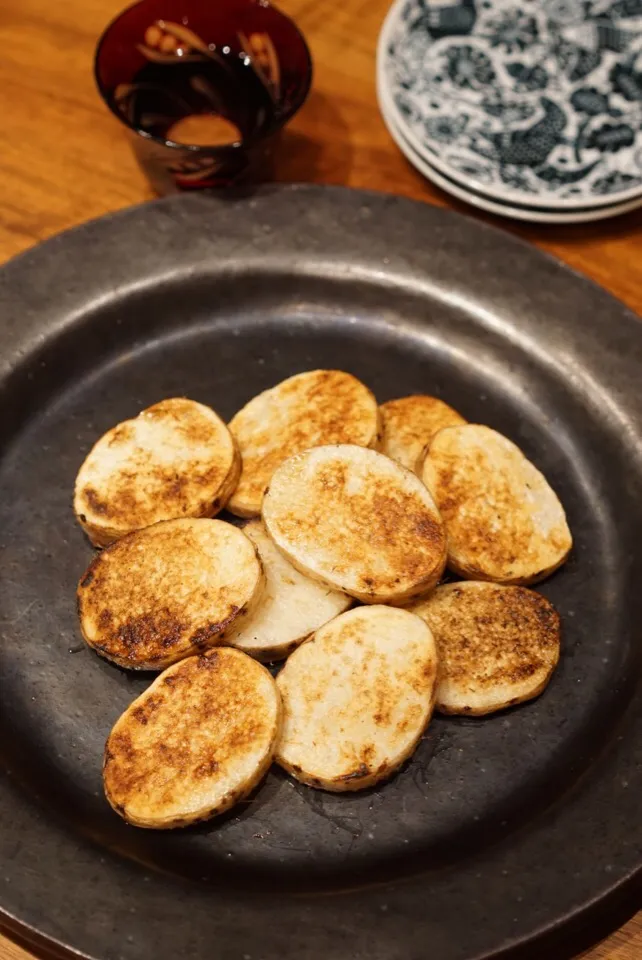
(527, 108)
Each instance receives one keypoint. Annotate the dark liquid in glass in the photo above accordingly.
(162, 94)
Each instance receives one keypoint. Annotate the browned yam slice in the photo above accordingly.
(358, 522)
(195, 743)
(504, 521)
(175, 459)
(163, 593)
(498, 645)
(291, 608)
(410, 423)
(357, 698)
(307, 410)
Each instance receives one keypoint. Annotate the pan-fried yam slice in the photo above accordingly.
(307, 410)
(498, 645)
(504, 521)
(175, 459)
(357, 698)
(163, 593)
(358, 522)
(195, 743)
(291, 608)
(410, 423)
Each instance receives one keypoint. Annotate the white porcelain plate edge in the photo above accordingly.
(491, 206)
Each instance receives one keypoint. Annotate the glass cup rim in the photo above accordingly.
(202, 149)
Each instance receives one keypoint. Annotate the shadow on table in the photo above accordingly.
(624, 225)
(611, 228)
(316, 146)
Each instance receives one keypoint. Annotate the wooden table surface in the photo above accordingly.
(64, 160)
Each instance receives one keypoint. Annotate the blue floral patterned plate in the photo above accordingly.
(536, 102)
(501, 207)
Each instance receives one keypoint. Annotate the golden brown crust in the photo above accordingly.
(158, 595)
(498, 645)
(410, 423)
(197, 741)
(504, 522)
(357, 521)
(176, 459)
(307, 410)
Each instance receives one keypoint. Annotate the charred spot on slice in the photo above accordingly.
(144, 711)
(120, 746)
(209, 661)
(121, 434)
(368, 753)
(203, 634)
(206, 769)
(361, 771)
(149, 630)
(140, 715)
(94, 501)
(105, 619)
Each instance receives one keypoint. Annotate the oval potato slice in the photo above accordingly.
(175, 459)
(504, 521)
(307, 410)
(291, 608)
(163, 593)
(410, 423)
(195, 743)
(498, 645)
(357, 698)
(358, 522)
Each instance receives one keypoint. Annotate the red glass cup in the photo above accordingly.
(203, 87)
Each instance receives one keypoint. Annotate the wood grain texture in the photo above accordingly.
(65, 160)
(10, 951)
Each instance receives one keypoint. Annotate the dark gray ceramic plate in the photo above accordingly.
(515, 834)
